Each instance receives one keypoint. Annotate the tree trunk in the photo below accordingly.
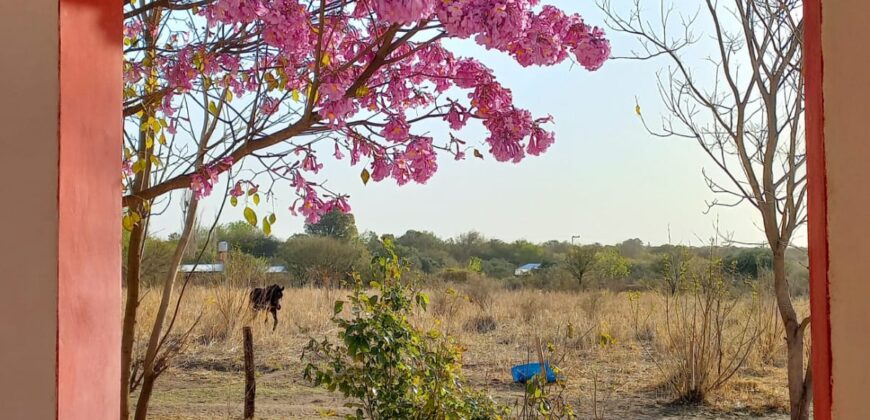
(799, 383)
(149, 374)
(134, 259)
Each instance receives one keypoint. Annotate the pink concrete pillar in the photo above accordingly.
(60, 128)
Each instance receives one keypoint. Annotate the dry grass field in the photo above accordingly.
(612, 349)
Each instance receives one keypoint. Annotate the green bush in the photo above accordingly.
(322, 260)
(386, 366)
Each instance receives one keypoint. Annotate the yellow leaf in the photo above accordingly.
(229, 95)
(162, 139)
(637, 109)
(325, 60)
(365, 175)
(477, 154)
(138, 166)
(149, 141)
(127, 222)
(271, 82)
(250, 216)
(212, 108)
(234, 201)
(267, 227)
(155, 160)
(362, 91)
(272, 218)
(256, 199)
(295, 95)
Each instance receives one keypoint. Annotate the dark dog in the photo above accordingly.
(268, 298)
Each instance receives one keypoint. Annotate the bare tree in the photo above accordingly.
(743, 105)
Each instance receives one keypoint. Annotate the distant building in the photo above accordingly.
(219, 268)
(526, 269)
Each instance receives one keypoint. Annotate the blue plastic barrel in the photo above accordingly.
(523, 373)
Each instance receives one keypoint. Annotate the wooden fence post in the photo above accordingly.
(250, 379)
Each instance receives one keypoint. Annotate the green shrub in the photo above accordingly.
(385, 365)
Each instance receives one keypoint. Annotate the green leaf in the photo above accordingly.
(267, 227)
(339, 306)
(250, 216)
(272, 218)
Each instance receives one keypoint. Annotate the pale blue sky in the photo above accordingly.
(605, 179)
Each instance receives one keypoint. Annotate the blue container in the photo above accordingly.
(523, 373)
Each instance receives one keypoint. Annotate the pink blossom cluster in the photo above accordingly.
(418, 162)
(310, 204)
(544, 38)
(266, 52)
(403, 11)
(202, 182)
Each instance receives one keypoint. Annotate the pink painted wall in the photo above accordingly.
(59, 225)
(89, 195)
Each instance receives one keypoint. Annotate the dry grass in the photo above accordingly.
(611, 347)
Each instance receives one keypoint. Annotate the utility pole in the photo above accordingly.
(573, 238)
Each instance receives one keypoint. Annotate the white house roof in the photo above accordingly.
(219, 268)
(201, 268)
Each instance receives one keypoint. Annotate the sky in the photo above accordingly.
(604, 180)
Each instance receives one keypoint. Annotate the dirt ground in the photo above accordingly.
(620, 380)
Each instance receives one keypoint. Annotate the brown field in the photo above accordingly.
(625, 379)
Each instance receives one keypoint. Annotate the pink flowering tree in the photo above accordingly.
(265, 92)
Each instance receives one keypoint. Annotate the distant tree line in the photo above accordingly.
(333, 247)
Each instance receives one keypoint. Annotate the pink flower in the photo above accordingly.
(237, 191)
(403, 11)
(269, 106)
(381, 168)
(417, 162)
(470, 73)
(540, 141)
(310, 164)
(396, 129)
(491, 98)
(203, 181)
(457, 116)
(338, 155)
(588, 45)
(507, 131)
